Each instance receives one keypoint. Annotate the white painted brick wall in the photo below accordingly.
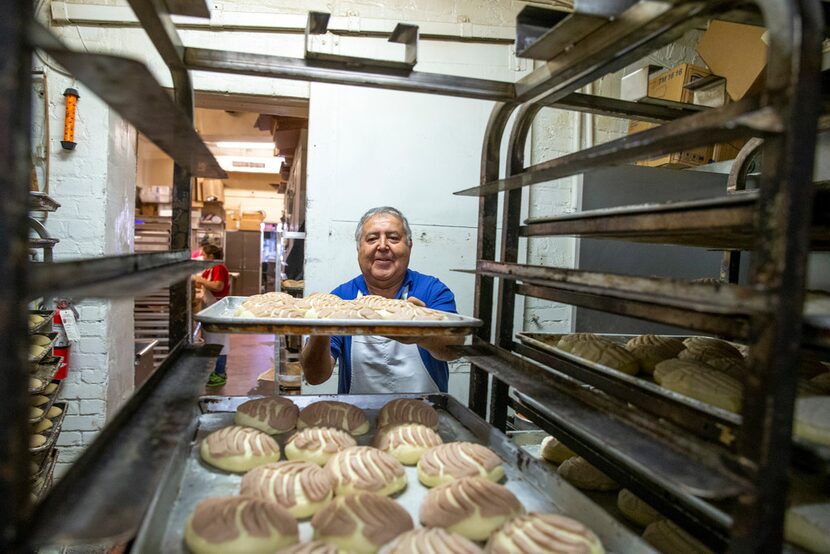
(95, 186)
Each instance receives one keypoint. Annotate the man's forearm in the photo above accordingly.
(316, 359)
(441, 348)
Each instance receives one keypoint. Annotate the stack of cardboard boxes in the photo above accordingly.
(733, 51)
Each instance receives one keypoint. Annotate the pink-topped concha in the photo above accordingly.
(239, 524)
(273, 414)
(361, 523)
(431, 540)
(408, 410)
(331, 413)
(473, 507)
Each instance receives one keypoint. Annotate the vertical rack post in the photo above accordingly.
(486, 246)
(778, 266)
(180, 317)
(15, 120)
(509, 253)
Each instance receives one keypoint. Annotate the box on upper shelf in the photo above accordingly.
(671, 85)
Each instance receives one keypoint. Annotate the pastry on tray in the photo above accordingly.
(539, 532)
(361, 523)
(317, 444)
(238, 449)
(240, 525)
(406, 442)
(332, 413)
(578, 472)
(272, 414)
(454, 460)
(366, 469)
(302, 488)
(408, 410)
(431, 540)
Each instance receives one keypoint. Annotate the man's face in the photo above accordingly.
(383, 251)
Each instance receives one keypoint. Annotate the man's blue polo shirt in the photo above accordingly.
(430, 290)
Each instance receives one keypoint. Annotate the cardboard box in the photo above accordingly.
(634, 86)
(736, 52)
(671, 85)
(251, 221)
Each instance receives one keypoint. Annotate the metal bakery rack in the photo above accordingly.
(730, 495)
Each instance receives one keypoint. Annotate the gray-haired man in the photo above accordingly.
(373, 364)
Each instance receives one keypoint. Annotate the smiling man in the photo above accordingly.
(373, 364)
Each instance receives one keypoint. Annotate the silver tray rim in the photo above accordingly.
(213, 319)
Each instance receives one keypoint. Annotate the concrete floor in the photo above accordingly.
(249, 357)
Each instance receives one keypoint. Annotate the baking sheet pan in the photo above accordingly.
(52, 433)
(45, 407)
(46, 349)
(47, 315)
(44, 370)
(220, 318)
(188, 480)
(543, 341)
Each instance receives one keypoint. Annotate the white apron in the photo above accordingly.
(214, 338)
(382, 365)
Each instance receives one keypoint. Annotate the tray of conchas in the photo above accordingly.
(365, 474)
(325, 314)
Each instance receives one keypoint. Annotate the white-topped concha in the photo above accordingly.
(302, 488)
(317, 444)
(366, 469)
(406, 442)
(238, 449)
(539, 532)
(431, 540)
(454, 460)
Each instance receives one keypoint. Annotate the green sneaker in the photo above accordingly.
(216, 380)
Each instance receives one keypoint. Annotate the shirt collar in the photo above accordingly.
(406, 285)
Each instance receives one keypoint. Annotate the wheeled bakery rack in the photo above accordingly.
(680, 472)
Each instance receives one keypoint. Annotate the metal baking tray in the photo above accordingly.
(53, 432)
(48, 315)
(538, 340)
(52, 397)
(44, 370)
(188, 480)
(47, 349)
(220, 318)
(45, 463)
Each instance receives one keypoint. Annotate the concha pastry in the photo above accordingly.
(633, 508)
(361, 523)
(330, 413)
(431, 540)
(272, 414)
(317, 444)
(554, 451)
(706, 348)
(668, 538)
(240, 525)
(822, 382)
(454, 460)
(38, 400)
(567, 342)
(313, 547)
(408, 410)
(667, 366)
(538, 532)
(733, 367)
(238, 449)
(35, 351)
(35, 383)
(812, 419)
(705, 384)
(365, 469)
(40, 340)
(473, 507)
(650, 350)
(42, 425)
(302, 488)
(35, 413)
(808, 526)
(36, 441)
(50, 388)
(608, 354)
(578, 472)
(406, 442)
(53, 412)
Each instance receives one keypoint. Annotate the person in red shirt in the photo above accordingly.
(216, 284)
